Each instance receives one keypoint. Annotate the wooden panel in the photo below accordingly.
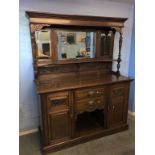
(59, 125)
(73, 68)
(98, 44)
(116, 112)
(96, 67)
(54, 46)
(44, 120)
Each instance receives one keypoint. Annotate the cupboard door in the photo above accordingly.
(59, 126)
(116, 112)
(118, 106)
(59, 116)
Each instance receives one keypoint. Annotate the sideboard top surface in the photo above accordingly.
(47, 84)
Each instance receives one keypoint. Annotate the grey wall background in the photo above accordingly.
(132, 70)
(29, 115)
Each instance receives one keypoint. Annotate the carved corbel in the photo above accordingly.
(37, 27)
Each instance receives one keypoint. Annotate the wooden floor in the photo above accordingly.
(122, 143)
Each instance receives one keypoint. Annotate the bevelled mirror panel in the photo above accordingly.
(75, 44)
(107, 39)
(43, 41)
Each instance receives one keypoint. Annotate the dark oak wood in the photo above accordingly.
(118, 104)
(82, 139)
(81, 99)
(75, 82)
(59, 125)
(54, 46)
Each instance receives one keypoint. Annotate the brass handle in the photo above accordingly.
(97, 92)
(98, 101)
(91, 92)
(113, 107)
(71, 115)
(91, 102)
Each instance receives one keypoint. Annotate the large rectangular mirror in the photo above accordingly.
(43, 41)
(75, 44)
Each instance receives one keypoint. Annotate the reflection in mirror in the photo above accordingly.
(43, 41)
(75, 44)
(107, 39)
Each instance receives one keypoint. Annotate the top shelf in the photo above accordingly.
(45, 62)
(78, 20)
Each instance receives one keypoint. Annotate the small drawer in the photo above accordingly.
(90, 92)
(57, 101)
(118, 90)
(90, 104)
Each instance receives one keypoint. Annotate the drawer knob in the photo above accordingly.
(91, 102)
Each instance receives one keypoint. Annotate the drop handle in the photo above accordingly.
(71, 115)
(91, 102)
(91, 92)
(113, 107)
(98, 101)
(97, 92)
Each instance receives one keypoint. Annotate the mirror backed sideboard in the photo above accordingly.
(81, 98)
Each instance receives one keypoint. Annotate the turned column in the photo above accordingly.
(119, 54)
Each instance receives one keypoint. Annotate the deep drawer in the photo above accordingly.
(90, 104)
(89, 92)
(119, 90)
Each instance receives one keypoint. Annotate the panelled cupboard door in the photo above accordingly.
(59, 117)
(59, 126)
(115, 113)
(118, 106)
